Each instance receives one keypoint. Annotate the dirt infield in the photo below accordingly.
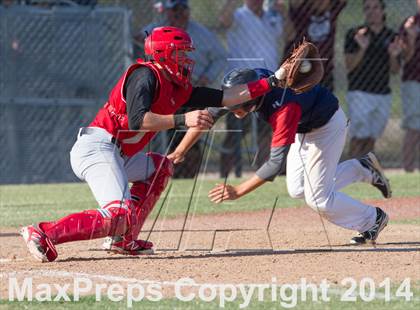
(300, 249)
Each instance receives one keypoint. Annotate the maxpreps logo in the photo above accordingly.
(185, 289)
(70, 292)
(286, 295)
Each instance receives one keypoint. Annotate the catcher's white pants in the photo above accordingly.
(313, 173)
(96, 160)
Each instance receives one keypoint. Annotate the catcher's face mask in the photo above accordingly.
(169, 46)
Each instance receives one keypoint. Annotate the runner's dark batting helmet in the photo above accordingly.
(243, 76)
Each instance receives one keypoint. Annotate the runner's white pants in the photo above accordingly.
(313, 173)
(96, 160)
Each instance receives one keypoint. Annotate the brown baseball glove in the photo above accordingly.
(302, 70)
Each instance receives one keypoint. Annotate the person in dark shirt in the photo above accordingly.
(371, 54)
(410, 91)
(309, 129)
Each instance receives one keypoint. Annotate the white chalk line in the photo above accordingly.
(8, 260)
(61, 273)
(110, 278)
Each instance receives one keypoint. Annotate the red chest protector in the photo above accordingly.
(113, 115)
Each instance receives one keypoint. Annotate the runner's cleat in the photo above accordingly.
(372, 234)
(371, 162)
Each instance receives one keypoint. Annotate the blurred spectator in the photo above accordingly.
(253, 37)
(209, 56)
(371, 52)
(410, 90)
(7, 3)
(253, 33)
(86, 2)
(210, 59)
(316, 20)
(50, 3)
(158, 17)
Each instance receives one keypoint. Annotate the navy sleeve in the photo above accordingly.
(139, 91)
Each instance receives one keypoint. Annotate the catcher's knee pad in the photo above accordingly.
(113, 219)
(118, 216)
(164, 168)
(156, 183)
(145, 194)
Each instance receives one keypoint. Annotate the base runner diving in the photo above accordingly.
(309, 131)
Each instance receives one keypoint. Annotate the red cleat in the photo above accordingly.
(39, 245)
(119, 245)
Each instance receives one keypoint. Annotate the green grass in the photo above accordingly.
(408, 222)
(25, 204)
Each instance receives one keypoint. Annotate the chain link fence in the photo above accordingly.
(57, 66)
(60, 59)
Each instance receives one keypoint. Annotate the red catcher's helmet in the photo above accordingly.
(168, 46)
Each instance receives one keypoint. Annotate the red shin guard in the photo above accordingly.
(113, 219)
(145, 194)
